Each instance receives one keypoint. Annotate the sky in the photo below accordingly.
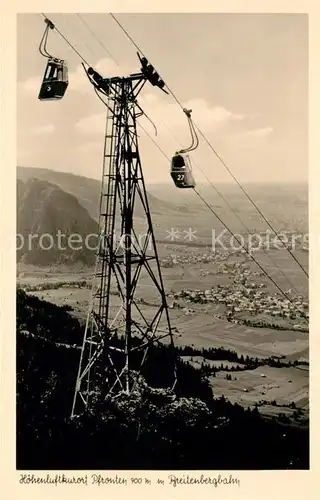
(245, 77)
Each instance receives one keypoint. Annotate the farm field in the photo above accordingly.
(273, 390)
(258, 342)
(265, 385)
(195, 267)
(202, 329)
(187, 272)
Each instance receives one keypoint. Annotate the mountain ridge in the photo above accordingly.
(45, 211)
(87, 190)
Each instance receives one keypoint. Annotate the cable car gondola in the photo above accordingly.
(55, 79)
(181, 169)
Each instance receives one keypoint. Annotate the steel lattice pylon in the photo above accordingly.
(120, 328)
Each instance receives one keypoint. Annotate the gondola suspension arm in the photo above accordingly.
(43, 44)
(194, 137)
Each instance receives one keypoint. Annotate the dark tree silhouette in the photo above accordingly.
(150, 429)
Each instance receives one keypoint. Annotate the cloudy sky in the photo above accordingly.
(245, 76)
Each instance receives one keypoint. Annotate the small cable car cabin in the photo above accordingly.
(55, 80)
(181, 171)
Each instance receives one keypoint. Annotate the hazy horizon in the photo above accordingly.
(166, 182)
(246, 81)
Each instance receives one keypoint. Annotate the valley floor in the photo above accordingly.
(275, 390)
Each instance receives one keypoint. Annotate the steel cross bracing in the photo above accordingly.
(120, 327)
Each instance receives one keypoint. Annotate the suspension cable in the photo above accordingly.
(84, 41)
(96, 37)
(235, 237)
(198, 194)
(237, 217)
(200, 132)
(67, 41)
(220, 159)
(252, 202)
(250, 255)
(193, 146)
(148, 118)
(127, 34)
(229, 230)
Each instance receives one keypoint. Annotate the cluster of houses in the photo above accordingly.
(247, 299)
(244, 294)
(194, 258)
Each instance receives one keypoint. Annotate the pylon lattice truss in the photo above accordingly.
(120, 327)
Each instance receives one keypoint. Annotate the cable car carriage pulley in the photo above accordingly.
(181, 169)
(55, 79)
